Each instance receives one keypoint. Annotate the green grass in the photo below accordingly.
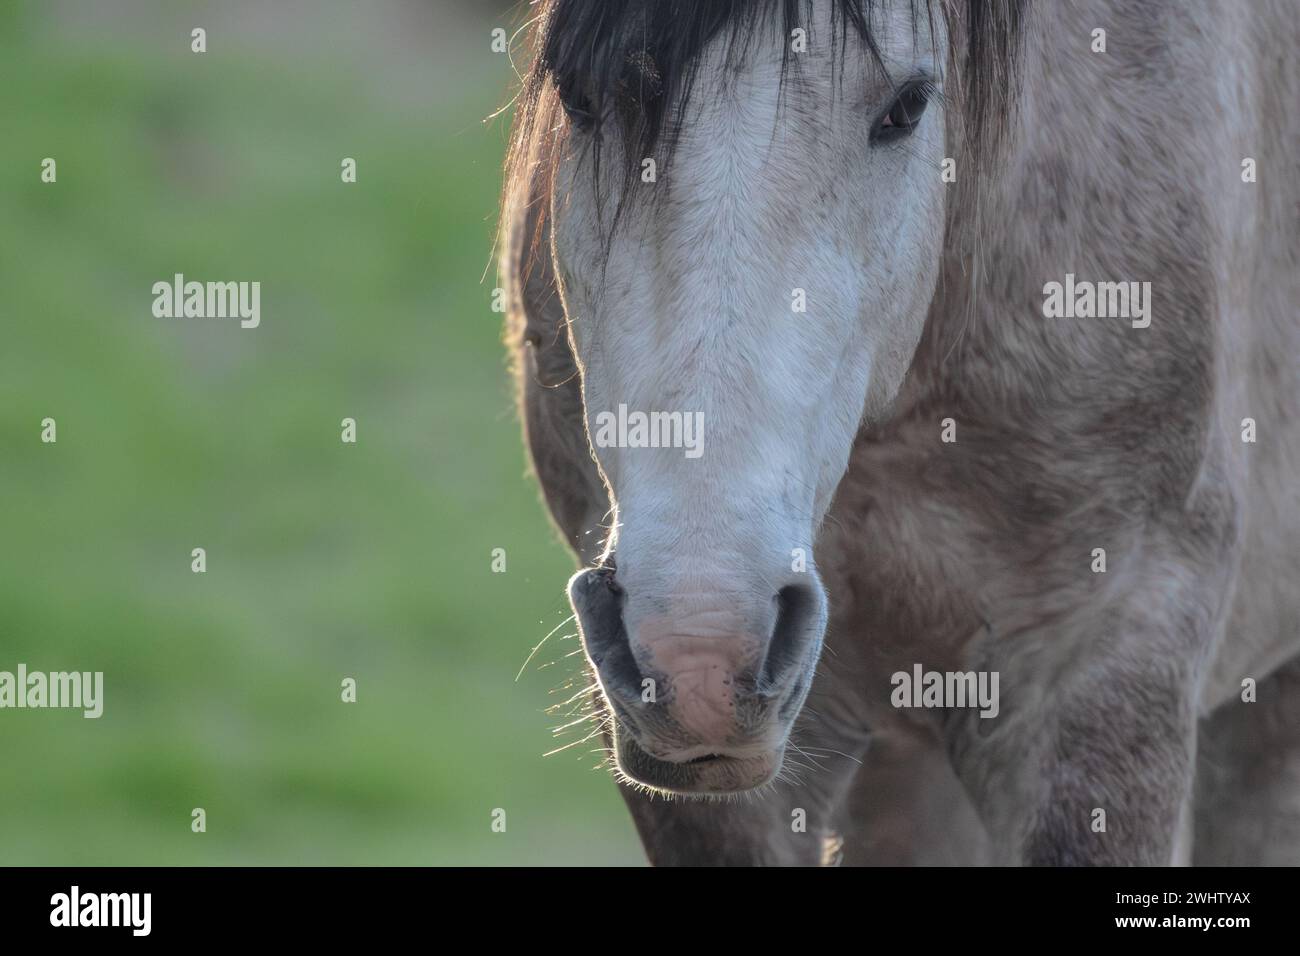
(325, 560)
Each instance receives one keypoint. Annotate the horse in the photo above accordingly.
(987, 312)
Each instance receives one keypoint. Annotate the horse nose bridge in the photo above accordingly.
(711, 604)
(702, 550)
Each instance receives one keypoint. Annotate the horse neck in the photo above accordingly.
(1077, 187)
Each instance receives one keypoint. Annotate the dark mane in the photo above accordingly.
(624, 70)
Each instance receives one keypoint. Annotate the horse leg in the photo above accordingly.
(1100, 783)
(907, 807)
(1247, 801)
(1091, 759)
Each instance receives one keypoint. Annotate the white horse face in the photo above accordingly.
(768, 300)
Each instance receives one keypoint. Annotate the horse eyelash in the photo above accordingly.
(931, 90)
(928, 87)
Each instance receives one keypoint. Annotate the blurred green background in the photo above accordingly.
(325, 560)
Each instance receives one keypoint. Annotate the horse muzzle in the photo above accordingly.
(703, 694)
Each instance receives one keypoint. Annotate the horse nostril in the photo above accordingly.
(796, 617)
(597, 601)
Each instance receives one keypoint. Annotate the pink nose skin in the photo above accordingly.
(701, 672)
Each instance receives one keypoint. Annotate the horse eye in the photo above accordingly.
(903, 114)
